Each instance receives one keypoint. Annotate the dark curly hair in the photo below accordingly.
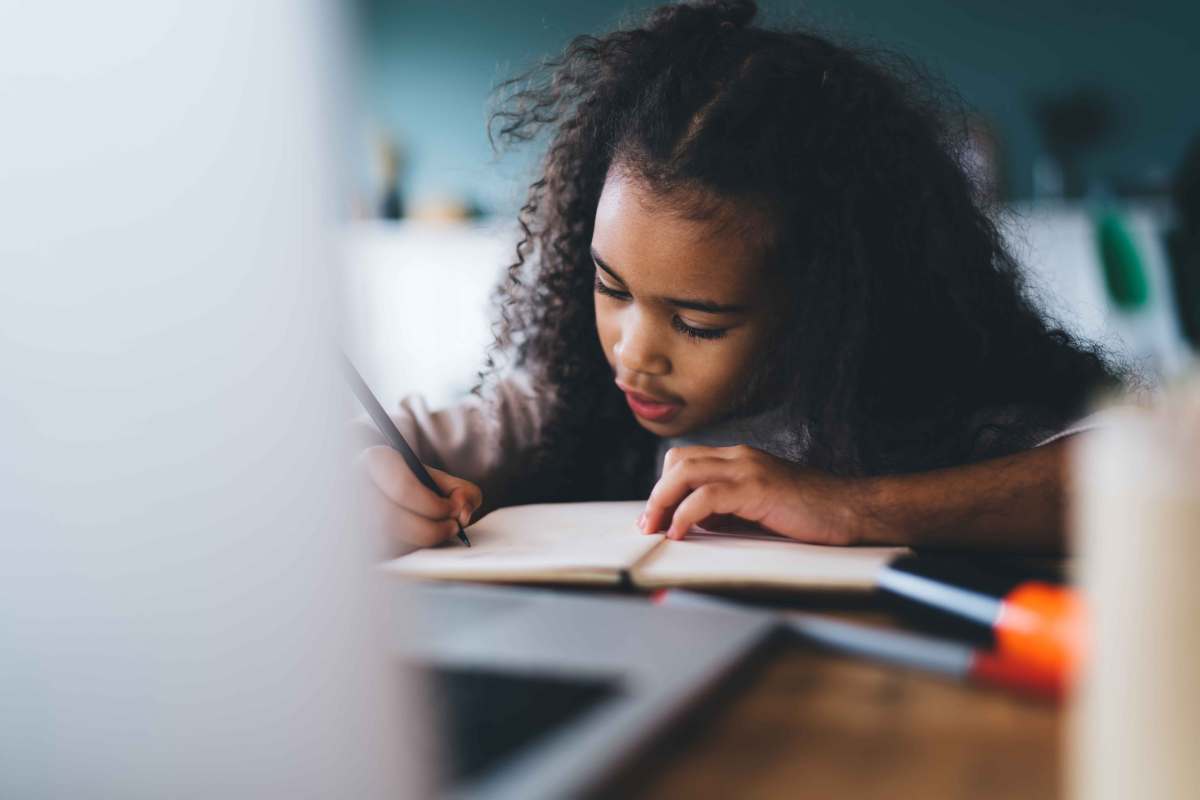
(908, 317)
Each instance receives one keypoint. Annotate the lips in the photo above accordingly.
(650, 408)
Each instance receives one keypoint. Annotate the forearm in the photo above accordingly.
(1014, 503)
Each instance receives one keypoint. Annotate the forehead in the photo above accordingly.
(646, 239)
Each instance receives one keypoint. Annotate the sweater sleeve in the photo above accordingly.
(1002, 431)
(487, 440)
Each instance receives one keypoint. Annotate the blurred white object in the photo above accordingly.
(1135, 729)
(418, 307)
(184, 603)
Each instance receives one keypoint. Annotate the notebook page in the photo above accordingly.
(727, 561)
(550, 543)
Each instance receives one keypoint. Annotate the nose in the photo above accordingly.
(638, 349)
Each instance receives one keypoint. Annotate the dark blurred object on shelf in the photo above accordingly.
(1072, 122)
(391, 161)
(1183, 242)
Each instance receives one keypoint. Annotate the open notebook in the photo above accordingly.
(599, 543)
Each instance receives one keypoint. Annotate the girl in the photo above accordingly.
(755, 281)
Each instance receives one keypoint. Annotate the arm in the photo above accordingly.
(1014, 503)
(1011, 503)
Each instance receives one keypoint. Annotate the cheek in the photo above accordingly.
(698, 371)
(718, 371)
(606, 330)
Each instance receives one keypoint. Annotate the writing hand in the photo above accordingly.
(406, 511)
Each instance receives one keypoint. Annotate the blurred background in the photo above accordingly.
(1081, 115)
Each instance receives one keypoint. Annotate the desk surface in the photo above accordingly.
(803, 723)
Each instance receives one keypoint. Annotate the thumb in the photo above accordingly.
(465, 497)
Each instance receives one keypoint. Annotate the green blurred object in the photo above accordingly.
(1124, 274)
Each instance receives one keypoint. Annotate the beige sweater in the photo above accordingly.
(486, 440)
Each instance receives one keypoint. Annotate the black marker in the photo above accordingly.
(388, 429)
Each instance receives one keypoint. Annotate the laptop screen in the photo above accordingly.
(489, 716)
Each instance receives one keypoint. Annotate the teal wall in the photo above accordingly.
(426, 69)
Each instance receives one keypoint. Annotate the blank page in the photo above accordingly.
(729, 561)
(544, 543)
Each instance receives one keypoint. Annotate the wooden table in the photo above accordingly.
(801, 723)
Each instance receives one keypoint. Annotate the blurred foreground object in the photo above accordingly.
(184, 603)
(1135, 730)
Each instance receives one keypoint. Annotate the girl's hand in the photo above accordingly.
(795, 501)
(408, 513)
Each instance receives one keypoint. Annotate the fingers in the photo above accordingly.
(402, 530)
(684, 476)
(686, 469)
(710, 499)
(464, 496)
(392, 475)
(677, 454)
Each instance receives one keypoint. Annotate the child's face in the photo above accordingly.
(682, 308)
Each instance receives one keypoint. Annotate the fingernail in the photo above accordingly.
(642, 522)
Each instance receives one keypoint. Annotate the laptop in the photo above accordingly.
(544, 693)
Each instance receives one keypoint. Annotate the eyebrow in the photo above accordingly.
(709, 306)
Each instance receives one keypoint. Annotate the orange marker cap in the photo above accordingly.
(1041, 625)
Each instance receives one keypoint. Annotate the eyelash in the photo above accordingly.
(676, 322)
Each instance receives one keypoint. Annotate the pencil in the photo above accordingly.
(389, 431)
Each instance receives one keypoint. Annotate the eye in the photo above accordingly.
(608, 291)
(697, 333)
(676, 323)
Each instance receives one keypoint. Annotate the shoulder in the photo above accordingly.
(509, 407)
(998, 431)
(773, 431)
(509, 389)
(1093, 421)
(516, 397)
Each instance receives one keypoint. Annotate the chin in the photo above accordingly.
(666, 430)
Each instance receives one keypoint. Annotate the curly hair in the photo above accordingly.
(907, 315)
